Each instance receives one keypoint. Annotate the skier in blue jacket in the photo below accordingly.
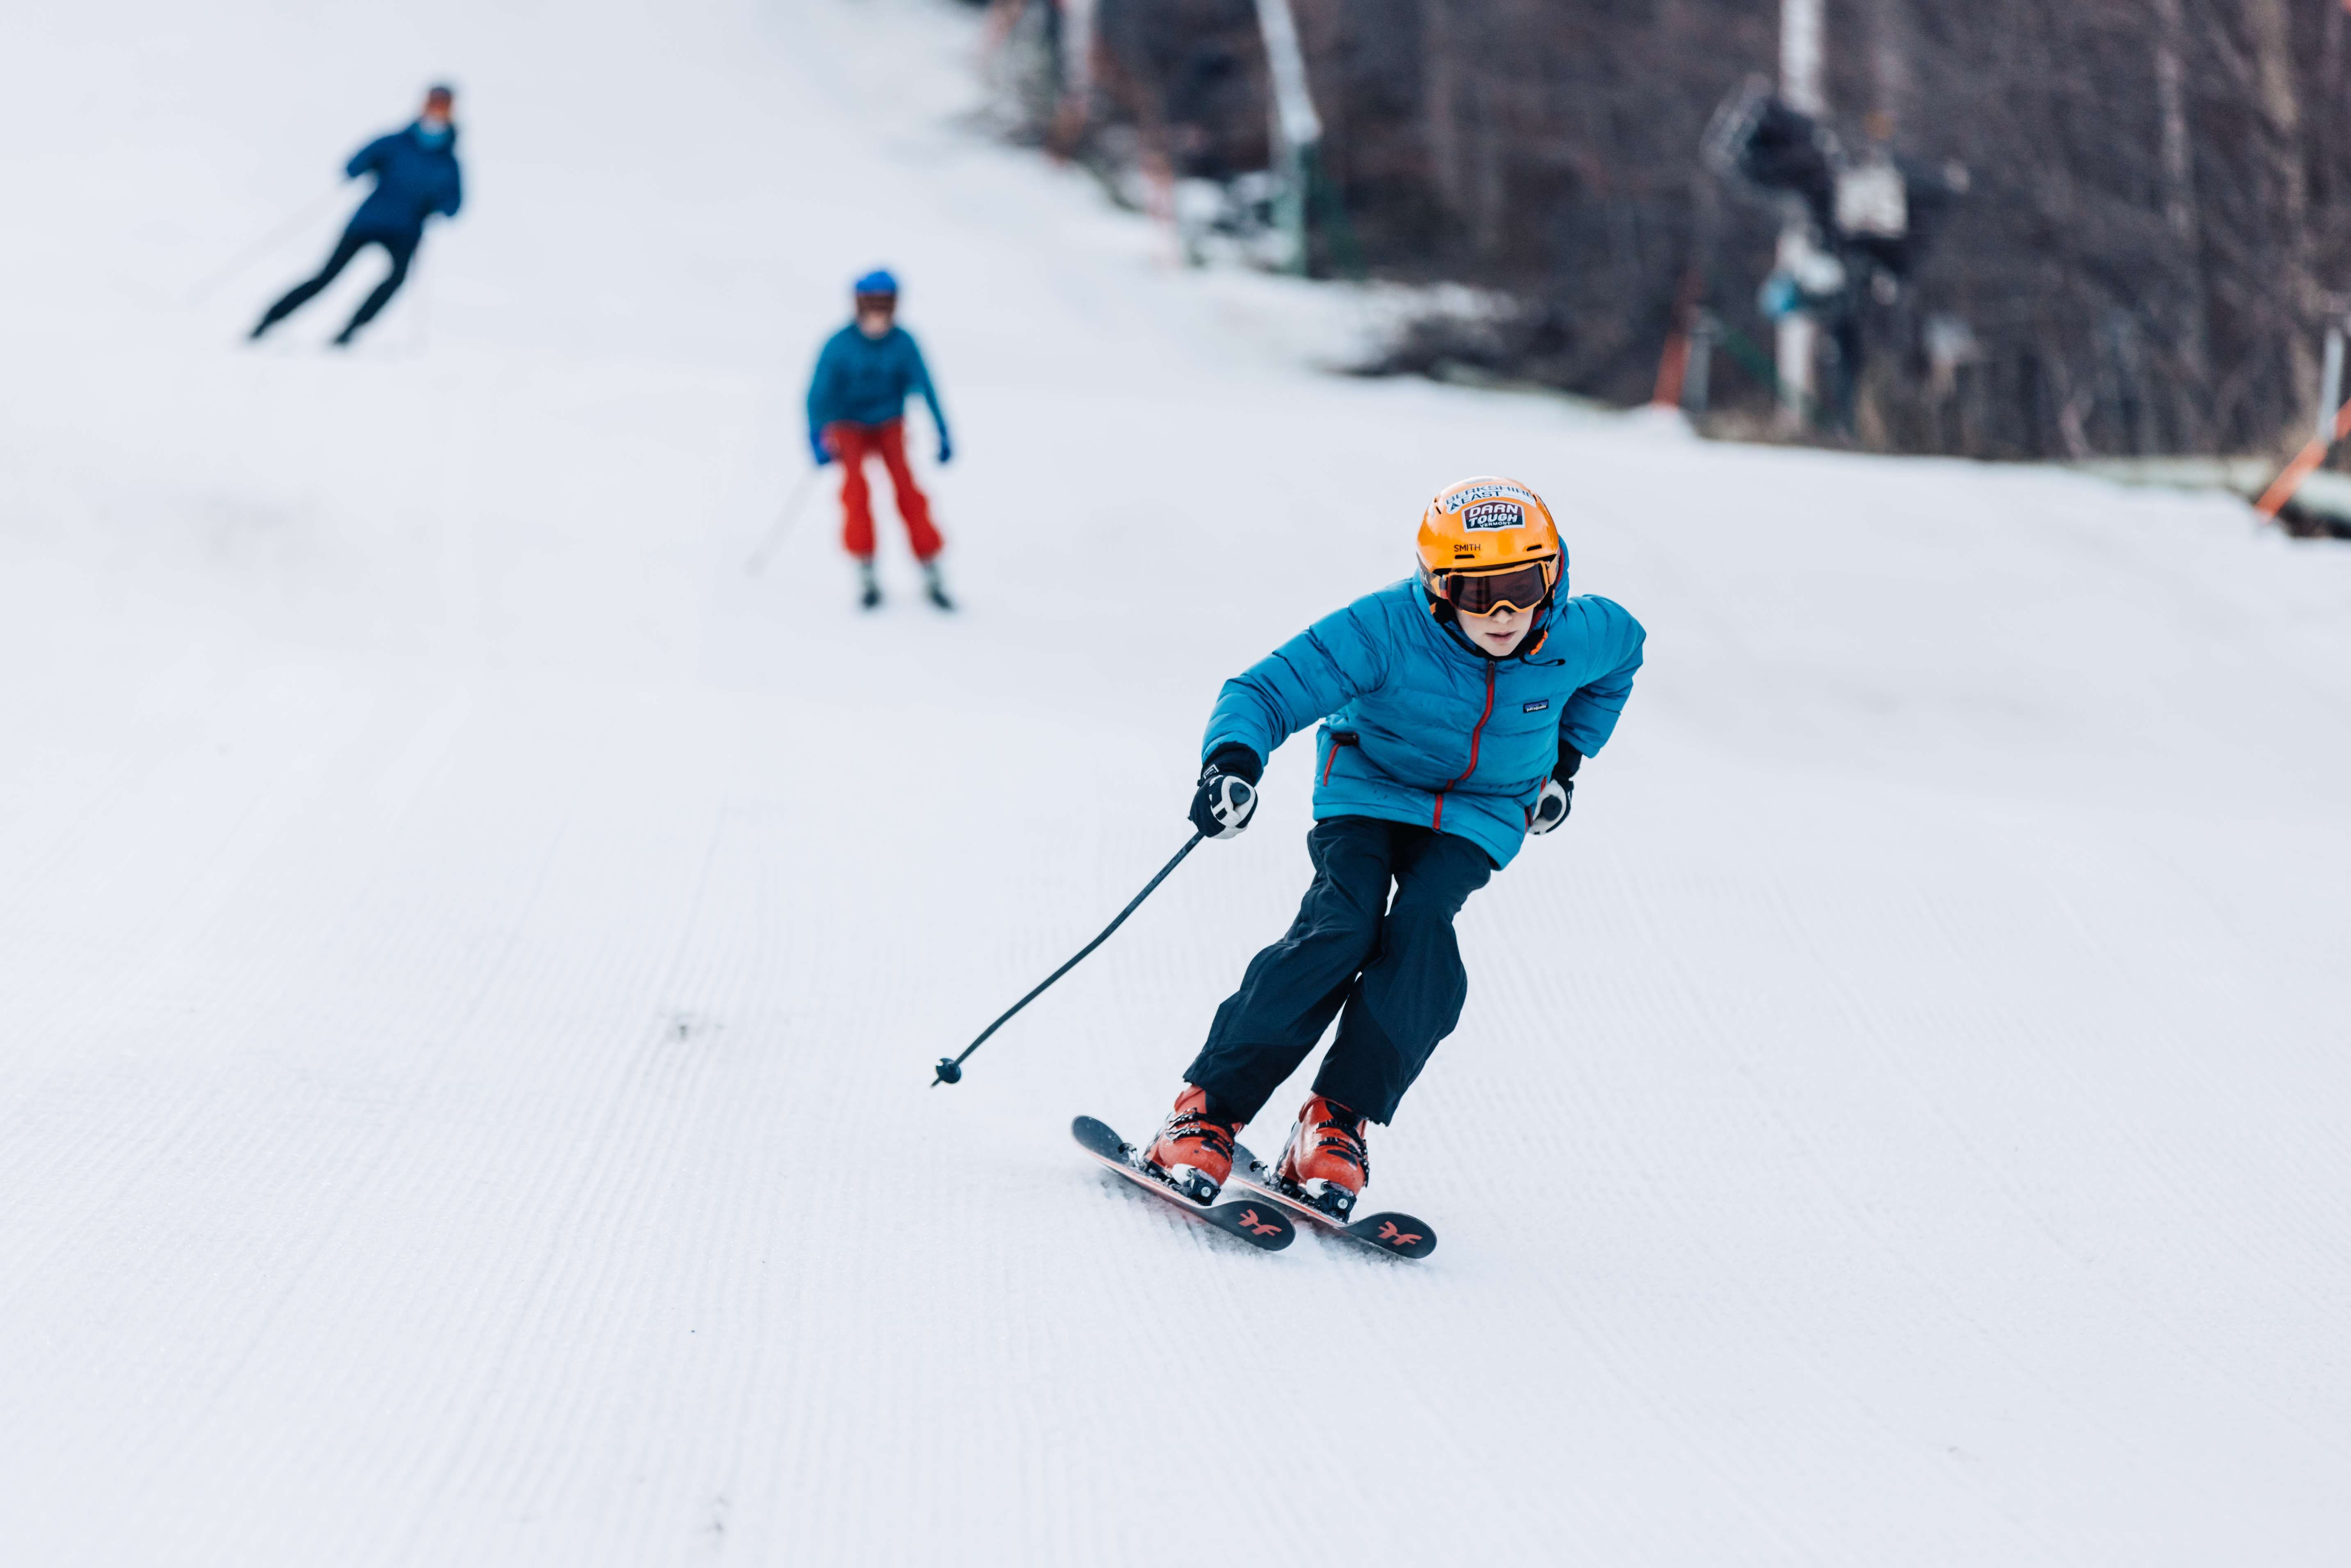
(857, 410)
(415, 172)
(1456, 708)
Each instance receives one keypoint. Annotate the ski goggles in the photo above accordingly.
(1523, 587)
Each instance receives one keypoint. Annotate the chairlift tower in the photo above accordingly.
(1800, 78)
(1297, 129)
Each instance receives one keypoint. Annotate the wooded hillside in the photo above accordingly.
(2143, 259)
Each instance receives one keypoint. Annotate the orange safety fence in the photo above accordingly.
(2306, 462)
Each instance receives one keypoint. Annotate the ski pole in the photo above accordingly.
(419, 307)
(266, 243)
(950, 1070)
(783, 524)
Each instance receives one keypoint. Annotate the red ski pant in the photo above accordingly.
(853, 443)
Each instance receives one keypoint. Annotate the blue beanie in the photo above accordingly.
(877, 281)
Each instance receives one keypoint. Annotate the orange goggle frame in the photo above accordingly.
(1521, 587)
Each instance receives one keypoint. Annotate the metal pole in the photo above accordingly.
(1296, 127)
(1694, 381)
(2330, 383)
(950, 1067)
(266, 243)
(783, 523)
(1800, 27)
(1078, 58)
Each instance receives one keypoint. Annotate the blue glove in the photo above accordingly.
(816, 445)
(946, 450)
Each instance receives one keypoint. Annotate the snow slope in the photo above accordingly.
(472, 955)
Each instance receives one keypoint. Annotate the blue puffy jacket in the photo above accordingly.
(1418, 727)
(866, 381)
(413, 180)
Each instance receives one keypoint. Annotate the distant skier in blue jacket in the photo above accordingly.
(857, 409)
(1456, 708)
(416, 176)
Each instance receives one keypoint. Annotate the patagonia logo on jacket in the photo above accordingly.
(1535, 707)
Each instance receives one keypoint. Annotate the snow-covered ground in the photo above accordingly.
(472, 955)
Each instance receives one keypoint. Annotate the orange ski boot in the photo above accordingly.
(1193, 1153)
(1325, 1161)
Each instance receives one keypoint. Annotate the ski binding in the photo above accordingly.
(1253, 1220)
(1397, 1234)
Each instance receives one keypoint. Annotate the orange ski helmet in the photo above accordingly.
(1488, 544)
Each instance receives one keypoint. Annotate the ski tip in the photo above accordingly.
(1397, 1234)
(1262, 1225)
(1400, 1234)
(1096, 1137)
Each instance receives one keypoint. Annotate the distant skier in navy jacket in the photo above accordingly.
(416, 176)
(857, 409)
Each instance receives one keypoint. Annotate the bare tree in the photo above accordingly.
(2271, 26)
(2177, 163)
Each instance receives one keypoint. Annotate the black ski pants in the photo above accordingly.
(400, 247)
(1388, 968)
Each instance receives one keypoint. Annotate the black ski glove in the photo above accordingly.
(1227, 797)
(1558, 792)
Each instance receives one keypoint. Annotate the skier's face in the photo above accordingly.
(1498, 633)
(874, 314)
(436, 110)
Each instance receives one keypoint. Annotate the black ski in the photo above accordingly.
(1258, 1223)
(1397, 1234)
